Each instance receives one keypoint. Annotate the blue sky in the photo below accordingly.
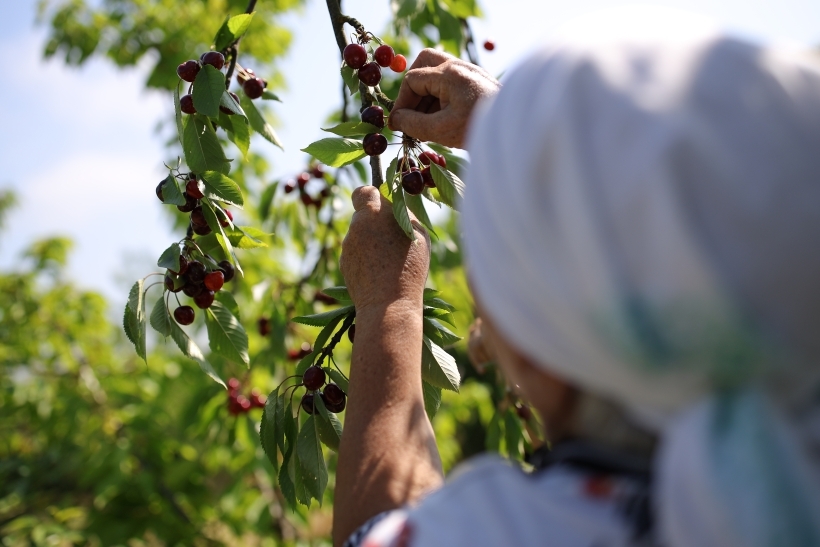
(80, 146)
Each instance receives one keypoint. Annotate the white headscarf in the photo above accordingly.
(642, 218)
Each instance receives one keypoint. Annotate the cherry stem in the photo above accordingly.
(332, 360)
(288, 378)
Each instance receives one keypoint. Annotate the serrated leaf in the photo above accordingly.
(450, 188)
(416, 206)
(228, 301)
(430, 293)
(350, 78)
(190, 350)
(432, 398)
(178, 115)
(134, 319)
(247, 237)
(400, 212)
(270, 96)
(353, 129)
(208, 89)
(337, 377)
(232, 29)
(201, 146)
(328, 425)
(160, 320)
(257, 121)
(238, 131)
(226, 335)
(438, 333)
(268, 428)
(319, 344)
(231, 104)
(322, 319)
(223, 188)
(436, 302)
(287, 471)
(266, 200)
(169, 259)
(171, 194)
(339, 293)
(438, 367)
(311, 460)
(442, 315)
(336, 152)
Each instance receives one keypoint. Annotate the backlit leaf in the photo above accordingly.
(449, 186)
(160, 320)
(400, 212)
(208, 89)
(221, 187)
(201, 146)
(353, 129)
(134, 318)
(226, 335)
(232, 29)
(439, 367)
(258, 122)
(322, 319)
(336, 152)
(311, 460)
(192, 351)
(169, 258)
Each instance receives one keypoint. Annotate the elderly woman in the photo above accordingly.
(642, 233)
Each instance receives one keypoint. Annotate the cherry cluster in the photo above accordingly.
(301, 182)
(414, 179)
(332, 395)
(252, 86)
(368, 64)
(198, 281)
(194, 191)
(240, 404)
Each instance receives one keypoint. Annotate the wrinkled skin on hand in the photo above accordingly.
(380, 264)
(437, 97)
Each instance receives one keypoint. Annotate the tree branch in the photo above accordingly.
(233, 48)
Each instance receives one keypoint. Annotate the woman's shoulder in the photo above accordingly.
(488, 501)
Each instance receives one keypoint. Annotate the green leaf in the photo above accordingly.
(160, 320)
(450, 30)
(169, 259)
(438, 333)
(232, 29)
(416, 206)
(513, 432)
(390, 175)
(440, 314)
(134, 319)
(339, 293)
(449, 186)
(230, 103)
(201, 146)
(238, 131)
(336, 152)
(350, 78)
(361, 170)
(178, 116)
(328, 425)
(353, 129)
(228, 301)
(311, 459)
(323, 319)
(171, 195)
(258, 122)
(319, 344)
(221, 187)
(438, 367)
(270, 96)
(436, 302)
(400, 212)
(226, 335)
(337, 377)
(266, 200)
(406, 8)
(247, 237)
(286, 472)
(493, 439)
(192, 351)
(208, 89)
(432, 398)
(268, 428)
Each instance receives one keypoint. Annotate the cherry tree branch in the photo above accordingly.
(233, 48)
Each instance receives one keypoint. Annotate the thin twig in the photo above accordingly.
(469, 43)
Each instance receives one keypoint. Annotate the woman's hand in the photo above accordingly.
(437, 97)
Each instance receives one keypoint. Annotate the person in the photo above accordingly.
(640, 226)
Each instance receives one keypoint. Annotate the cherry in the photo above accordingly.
(184, 315)
(160, 186)
(190, 203)
(227, 110)
(307, 403)
(188, 70)
(196, 272)
(306, 199)
(351, 332)
(183, 266)
(263, 324)
(373, 115)
(243, 77)
(202, 230)
(227, 270)
(335, 408)
(213, 58)
(355, 56)
(257, 399)
(244, 403)
(303, 179)
(192, 289)
(198, 217)
(193, 189)
(384, 55)
(374, 144)
(440, 160)
(427, 176)
(171, 283)
(233, 384)
(413, 182)
(254, 88)
(204, 299)
(186, 104)
(406, 163)
(314, 378)
(228, 217)
(370, 74)
(426, 157)
(325, 192)
(489, 45)
(398, 64)
(334, 394)
(214, 280)
(317, 172)
(290, 186)
(233, 405)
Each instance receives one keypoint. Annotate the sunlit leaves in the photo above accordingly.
(226, 335)
(209, 87)
(323, 319)
(400, 212)
(311, 464)
(134, 318)
(160, 320)
(449, 186)
(352, 129)
(221, 187)
(201, 146)
(438, 367)
(336, 152)
(232, 29)
(169, 258)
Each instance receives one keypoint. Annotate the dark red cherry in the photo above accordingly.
(186, 104)
(313, 378)
(373, 115)
(160, 186)
(427, 176)
(351, 332)
(183, 266)
(202, 230)
(213, 58)
(333, 394)
(307, 403)
(406, 163)
(227, 270)
(204, 299)
(184, 315)
(173, 283)
(263, 325)
(303, 179)
(192, 289)
(355, 56)
(384, 55)
(290, 186)
(198, 217)
(254, 88)
(335, 408)
(188, 70)
(193, 189)
(317, 172)
(370, 74)
(489, 45)
(214, 280)
(190, 203)
(413, 182)
(374, 144)
(196, 272)
(227, 110)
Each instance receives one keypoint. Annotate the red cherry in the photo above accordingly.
(489, 45)
(290, 186)
(313, 378)
(351, 332)
(374, 144)
(234, 407)
(193, 189)
(214, 280)
(186, 104)
(370, 74)
(306, 199)
(355, 56)
(398, 64)
(317, 172)
(426, 157)
(406, 163)
(334, 394)
(227, 110)
(307, 403)
(188, 70)
(264, 326)
(213, 58)
(224, 221)
(412, 182)
(384, 55)
(303, 179)
(335, 408)
(202, 230)
(204, 299)
(254, 88)
(257, 399)
(196, 272)
(441, 160)
(160, 186)
(244, 403)
(172, 283)
(192, 289)
(233, 383)
(227, 270)
(198, 217)
(243, 77)
(190, 203)
(373, 115)
(427, 177)
(184, 315)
